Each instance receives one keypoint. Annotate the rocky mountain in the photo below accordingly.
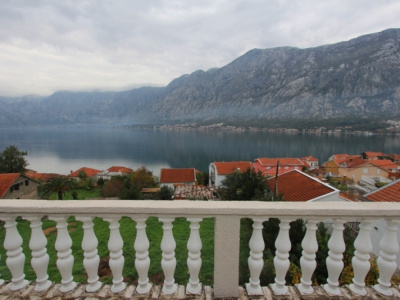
(357, 78)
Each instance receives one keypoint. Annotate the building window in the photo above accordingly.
(379, 171)
(365, 170)
(26, 182)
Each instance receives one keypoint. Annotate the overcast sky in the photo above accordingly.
(47, 46)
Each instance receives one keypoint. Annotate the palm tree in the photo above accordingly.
(59, 185)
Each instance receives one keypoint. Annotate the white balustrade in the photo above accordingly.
(15, 258)
(117, 259)
(360, 261)
(65, 261)
(40, 258)
(387, 257)
(142, 261)
(168, 262)
(281, 259)
(307, 260)
(255, 261)
(92, 260)
(194, 256)
(227, 217)
(334, 261)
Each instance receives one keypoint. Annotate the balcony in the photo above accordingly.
(227, 216)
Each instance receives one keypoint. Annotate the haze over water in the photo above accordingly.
(55, 150)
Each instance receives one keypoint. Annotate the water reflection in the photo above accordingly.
(62, 150)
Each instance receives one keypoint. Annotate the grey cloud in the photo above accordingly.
(50, 45)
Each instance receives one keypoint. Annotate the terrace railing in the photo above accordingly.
(227, 215)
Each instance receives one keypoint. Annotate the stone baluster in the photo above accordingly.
(307, 260)
(92, 260)
(360, 261)
(334, 261)
(142, 261)
(40, 258)
(255, 261)
(15, 258)
(65, 261)
(194, 246)
(168, 262)
(387, 257)
(117, 259)
(281, 259)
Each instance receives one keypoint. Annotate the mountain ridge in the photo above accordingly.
(351, 79)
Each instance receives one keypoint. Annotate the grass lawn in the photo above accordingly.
(82, 194)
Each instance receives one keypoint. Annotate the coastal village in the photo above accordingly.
(344, 177)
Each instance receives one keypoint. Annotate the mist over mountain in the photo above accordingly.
(358, 78)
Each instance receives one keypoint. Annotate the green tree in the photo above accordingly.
(12, 160)
(59, 185)
(82, 175)
(143, 178)
(113, 187)
(247, 185)
(165, 193)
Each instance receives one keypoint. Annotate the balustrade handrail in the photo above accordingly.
(227, 215)
(187, 208)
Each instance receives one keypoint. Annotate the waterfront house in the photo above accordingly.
(219, 170)
(114, 171)
(268, 166)
(332, 165)
(172, 177)
(88, 171)
(17, 186)
(355, 169)
(310, 162)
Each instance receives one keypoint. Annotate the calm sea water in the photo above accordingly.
(62, 150)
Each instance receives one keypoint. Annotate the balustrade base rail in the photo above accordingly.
(207, 293)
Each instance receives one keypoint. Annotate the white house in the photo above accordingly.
(218, 170)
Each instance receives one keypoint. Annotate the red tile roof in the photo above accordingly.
(388, 193)
(6, 181)
(117, 169)
(41, 176)
(298, 186)
(89, 172)
(177, 175)
(225, 168)
(354, 162)
(285, 161)
(371, 154)
(386, 164)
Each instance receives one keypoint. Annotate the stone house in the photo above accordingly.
(17, 186)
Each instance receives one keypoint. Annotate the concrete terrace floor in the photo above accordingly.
(155, 293)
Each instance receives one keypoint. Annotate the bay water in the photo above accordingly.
(62, 150)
